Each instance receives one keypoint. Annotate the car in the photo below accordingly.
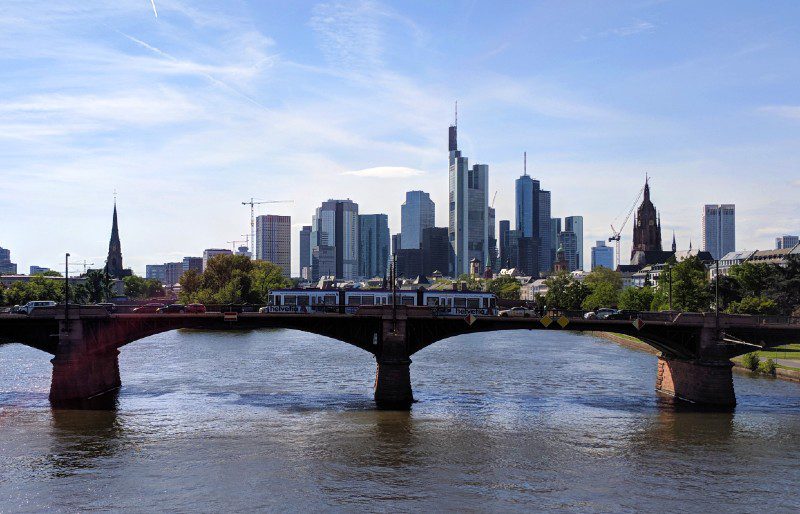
(149, 308)
(624, 314)
(29, 307)
(605, 313)
(516, 312)
(17, 309)
(196, 308)
(110, 307)
(175, 308)
(590, 315)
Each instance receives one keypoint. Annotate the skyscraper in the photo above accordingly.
(274, 241)
(210, 253)
(568, 242)
(719, 229)
(374, 242)
(505, 227)
(6, 266)
(492, 241)
(646, 226)
(435, 250)
(545, 255)
(602, 256)
(555, 229)
(305, 252)
(786, 242)
(468, 210)
(336, 224)
(416, 214)
(575, 224)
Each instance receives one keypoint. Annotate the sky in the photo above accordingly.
(190, 112)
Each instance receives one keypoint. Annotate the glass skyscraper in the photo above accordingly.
(416, 214)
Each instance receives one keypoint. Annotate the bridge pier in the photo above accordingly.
(393, 373)
(85, 371)
(708, 383)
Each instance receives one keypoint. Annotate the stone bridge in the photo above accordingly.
(693, 365)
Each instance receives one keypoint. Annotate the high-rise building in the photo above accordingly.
(545, 256)
(274, 241)
(409, 263)
(213, 252)
(172, 273)
(192, 263)
(416, 214)
(396, 240)
(305, 252)
(156, 272)
(323, 262)
(374, 241)
(6, 266)
(555, 229)
(528, 256)
(38, 270)
(527, 205)
(336, 224)
(602, 256)
(512, 249)
(505, 227)
(719, 229)
(468, 215)
(786, 242)
(568, 242)
(646, 226)
(533, 221)
(575, 224)
(493, 260)
(435, 251)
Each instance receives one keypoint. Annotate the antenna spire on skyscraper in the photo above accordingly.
(524, 163)
(456, 120)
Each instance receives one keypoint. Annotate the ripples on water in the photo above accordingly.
(284, 420)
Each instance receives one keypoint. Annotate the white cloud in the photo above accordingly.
(783, 111)
(386, 172)
(637, 27)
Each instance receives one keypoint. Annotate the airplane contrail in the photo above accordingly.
(153, 3)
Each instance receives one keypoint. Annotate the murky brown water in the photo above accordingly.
(284, 420)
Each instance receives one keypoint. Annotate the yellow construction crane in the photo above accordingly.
(252, 203)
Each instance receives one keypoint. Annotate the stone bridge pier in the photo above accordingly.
(705, 380)
(393, 373)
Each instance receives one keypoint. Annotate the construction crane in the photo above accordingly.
(252, 203)
(84, 264)
(234, 243)
(493, 198)
(618, 233)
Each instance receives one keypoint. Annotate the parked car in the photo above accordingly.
(516, 312)
(604, 313)
(590, 315)
(196, 308)
(110, 307)
(149, 308)
(175, 308)
(624, 314)
(17, 309)
(29, 307)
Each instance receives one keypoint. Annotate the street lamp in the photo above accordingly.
(66, 291)
(669, 271)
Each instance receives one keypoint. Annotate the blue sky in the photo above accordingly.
(192, 112)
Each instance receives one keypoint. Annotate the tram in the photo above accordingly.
(442, 302)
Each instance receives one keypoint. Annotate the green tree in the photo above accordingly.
(604, 286)
(758, 305)
(98, 286)
(473, 283)
(755, 279)
(138, 287)
(636, 298)
(505, 287)
(50, 273)
(233, 279)
(564, 292)
(37, 288)
(689, 287)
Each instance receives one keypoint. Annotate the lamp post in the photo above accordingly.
(669, 271)
(66, 291)
(393, 274)
(716, 292)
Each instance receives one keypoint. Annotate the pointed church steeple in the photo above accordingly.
(114, 259)
(674, 244)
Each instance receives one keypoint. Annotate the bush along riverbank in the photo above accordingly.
(758, 362)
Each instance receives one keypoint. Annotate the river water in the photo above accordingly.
(284, 420)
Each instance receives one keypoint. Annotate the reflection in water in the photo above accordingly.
(282, 420)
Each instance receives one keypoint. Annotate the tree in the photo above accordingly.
(729, 290)
(689, 287)
(636, 298)
(97, 286)
(37, 288)
(755, 279)
(604, 285)
(138, 287)
(757, 305)
(233, 279)
(505, 287)
(564, 292)
(473, 283)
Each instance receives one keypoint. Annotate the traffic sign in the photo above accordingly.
(230, 316)
(546, 320)
(638, 323)
(562, 320)
(471, 319)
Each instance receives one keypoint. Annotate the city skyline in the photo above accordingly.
(163, 110)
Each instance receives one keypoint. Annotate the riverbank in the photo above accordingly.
(781, 371)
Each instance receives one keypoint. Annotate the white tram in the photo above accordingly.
(443, 302)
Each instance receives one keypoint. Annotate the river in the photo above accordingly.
(284, 420)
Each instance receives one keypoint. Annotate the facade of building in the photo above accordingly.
(786, 242)
(305, 252)
(568, 243)
(374, 241)
(172, 273)
(37, 270)
(493, 257)
(528, 256)
(545, 233)
(435, 251)
(409, 263)
(212, 252)
(336, 224)
(555, 229)
(602, 256)
(6, 266)
(396, 240)
(192, 263)
(574, 224)
(274, 241)
(505, 227)
(646, 226)
(730, 260)
(416, 214)
(156, 272)
(719, 229)
(323, 262)
(468, 210)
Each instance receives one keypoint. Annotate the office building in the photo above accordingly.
(396, 240)
(409, 263)
(533, 221)
(505, 227)
(435, 251)
(374, 241)
(274, 241)
(719, 229)
(528, 256)
(512, 249)
(493, 258)
(568, 243)
(602, 256)
(323, 262)
(545, 255)
(786, 242)
(156, 272)
(37, 270)
(192, 263)
(210, 253)
(416, 214)
(574, 224)
(468, 216)
(555, 229)
(336, 224)
(305, 252)
(6, 266)
(172, 273)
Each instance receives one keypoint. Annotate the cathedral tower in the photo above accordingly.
(647, 226)
(114, 260)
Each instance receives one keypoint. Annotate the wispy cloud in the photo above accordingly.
(634, 28)
(783, 111)
(386, 172)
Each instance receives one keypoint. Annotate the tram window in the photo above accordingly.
(408, 300)
(330, 299)
(460, 302)
(367, 300)
(433, 302)
(302, 300)
(473, 303)
(354, 300)
(272, 299)
(290, 300)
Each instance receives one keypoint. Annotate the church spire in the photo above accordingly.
(114, 259)
(674, 244)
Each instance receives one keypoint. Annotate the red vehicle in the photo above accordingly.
(196, 308)
(149, 308)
